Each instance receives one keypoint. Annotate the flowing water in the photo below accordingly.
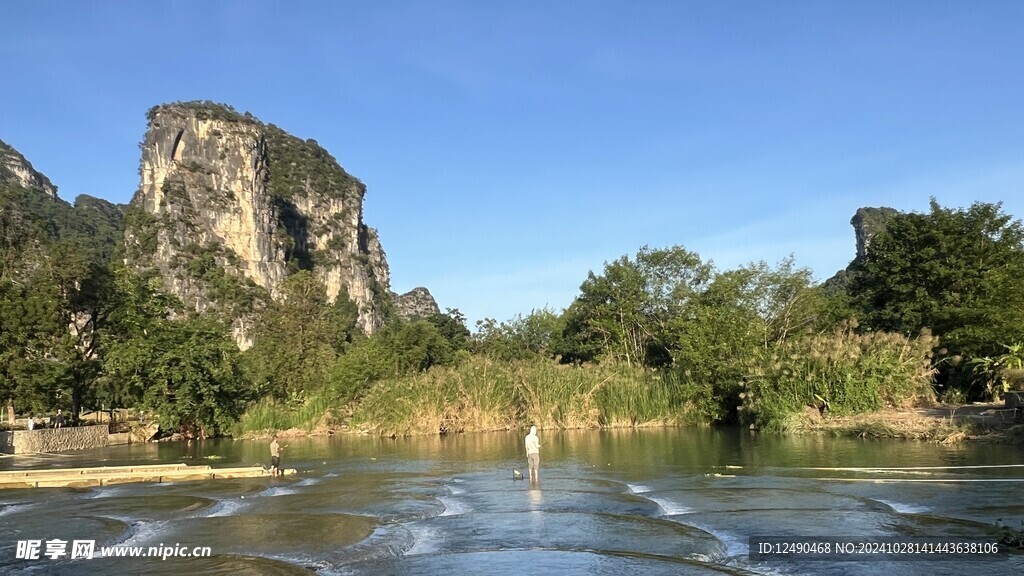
(667, 501)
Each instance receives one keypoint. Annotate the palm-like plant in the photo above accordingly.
(994, 373)
(1012, 367)
(1014, 357)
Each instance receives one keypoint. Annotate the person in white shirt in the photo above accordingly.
(533, 454)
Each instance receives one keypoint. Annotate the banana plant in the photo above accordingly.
(1014, 357)
(986, 370)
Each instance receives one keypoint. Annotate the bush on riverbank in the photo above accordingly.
(842, 372)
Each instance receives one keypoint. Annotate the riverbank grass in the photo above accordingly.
(268, 415)
(481, 394)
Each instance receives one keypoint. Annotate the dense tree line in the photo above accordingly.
(944, 285)
(958, 273)
(936, 296)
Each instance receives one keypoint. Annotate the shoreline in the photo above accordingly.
(982, 423)
(943, 424)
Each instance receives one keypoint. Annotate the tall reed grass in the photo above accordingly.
(482, 394)
(845, 371)
(269, 415)
(850, 372)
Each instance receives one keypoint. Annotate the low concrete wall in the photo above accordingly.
(53, 439)
(119, 438)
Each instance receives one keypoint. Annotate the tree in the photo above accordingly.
(955, 271)
(83, 291)
(782, 299)
(626, 311)
(185, 370)
(452, 327)
(400, 348)
(417, 346)
(51, 343)
(139, 314)
(740, 313)
(28, 371)
(298, 338)
(539, 333)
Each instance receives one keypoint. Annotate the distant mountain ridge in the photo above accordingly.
(16, 170)
(33, 218)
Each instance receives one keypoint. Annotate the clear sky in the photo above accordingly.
(508, 148)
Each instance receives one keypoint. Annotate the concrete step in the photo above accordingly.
(36, 472)
(104, 476)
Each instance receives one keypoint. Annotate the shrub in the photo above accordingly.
(846, 371)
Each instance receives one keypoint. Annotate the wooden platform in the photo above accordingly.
(106, 475)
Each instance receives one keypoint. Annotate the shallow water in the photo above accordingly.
(668, 501)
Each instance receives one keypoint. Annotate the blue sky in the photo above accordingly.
(508, 148)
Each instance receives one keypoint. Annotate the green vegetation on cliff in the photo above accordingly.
(297, 165)
(203, 110)
(30, 221)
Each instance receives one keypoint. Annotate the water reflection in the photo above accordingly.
(663, 501)
(536, 499)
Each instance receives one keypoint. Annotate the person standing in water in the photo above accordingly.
(533, 454)
(275, 457)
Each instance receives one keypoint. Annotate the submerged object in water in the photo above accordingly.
(517, 474)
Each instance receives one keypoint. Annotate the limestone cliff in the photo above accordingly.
(867, 222)
(228, 207)
(414, 304)
(14, 168)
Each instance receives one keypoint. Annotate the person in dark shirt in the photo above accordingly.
(58, 421)
(275, 457)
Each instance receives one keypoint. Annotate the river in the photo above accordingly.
(659, 501)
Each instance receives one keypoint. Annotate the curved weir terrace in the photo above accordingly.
(666, 501)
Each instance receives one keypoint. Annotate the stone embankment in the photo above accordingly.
(54, 439)
(71, 438)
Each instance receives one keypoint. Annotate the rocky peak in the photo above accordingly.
(14, 168)
(867, 222)
(414, 304)
(228, 207)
